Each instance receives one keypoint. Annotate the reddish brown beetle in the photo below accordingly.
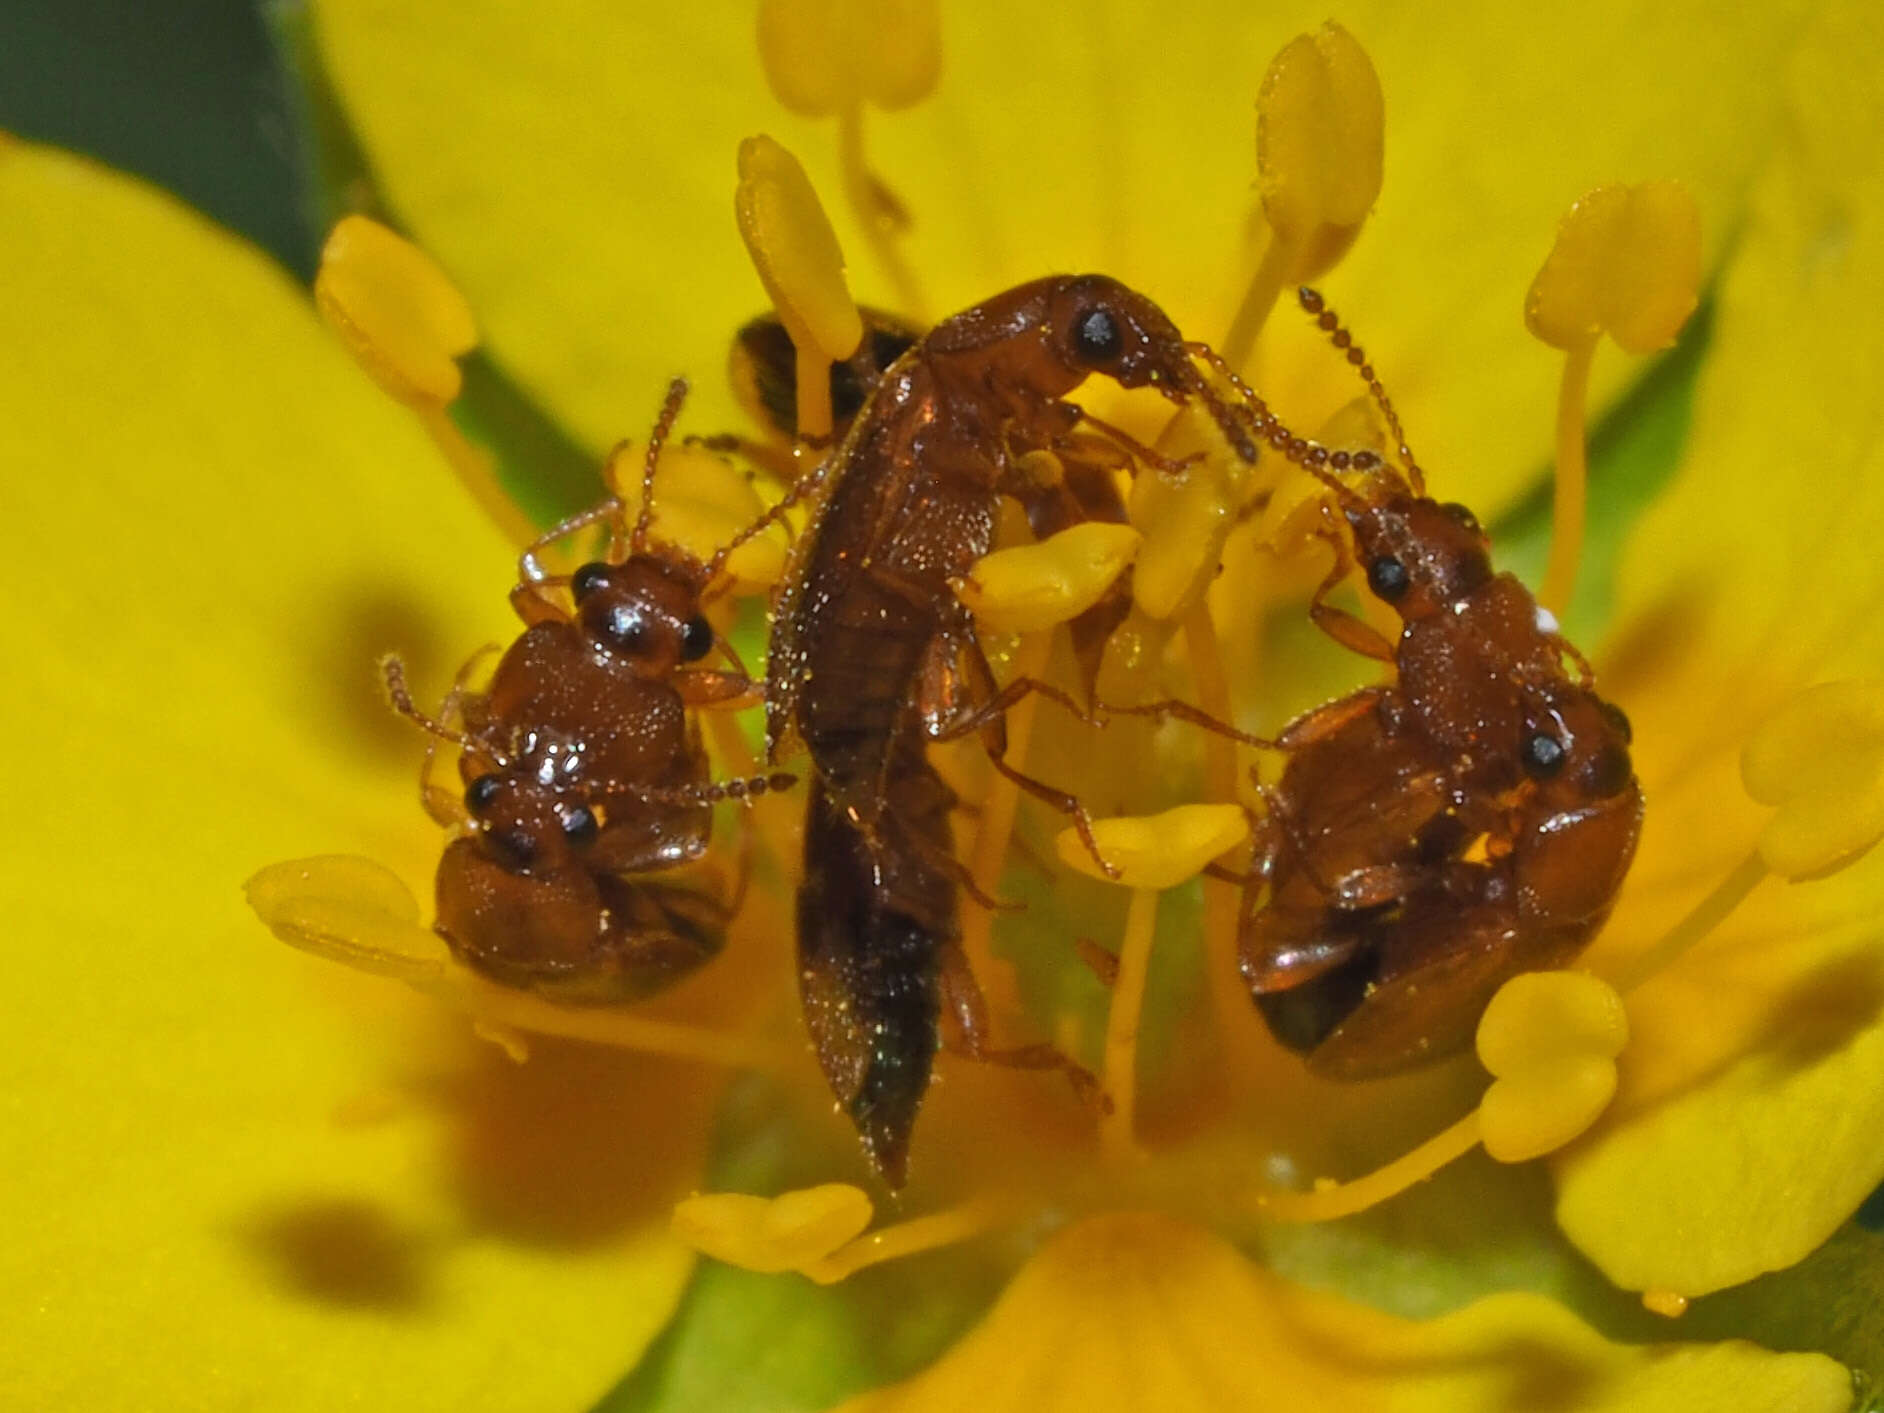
(587, 804)
(1431, 838)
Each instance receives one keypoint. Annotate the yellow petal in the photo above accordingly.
(565, 163)
(1136, 1312)
(1746, 1127)
(1157, 850)
(1030, 587)
(249, 1177)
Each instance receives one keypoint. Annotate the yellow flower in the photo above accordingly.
(245, 1175)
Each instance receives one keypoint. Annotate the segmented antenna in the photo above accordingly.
(663, 425)
(1330, 323)
(711, 792)
(401, 697)
(1310, 455)
(773, 513)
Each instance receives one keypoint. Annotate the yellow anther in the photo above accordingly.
(400, 316)
(795, 250)
(1289, 522)
(824, 56)
(798, 259)
(1185, 518)
(700, 503)
(1319, 130)
(1820, 761)
(348, 910)
(1551, 1039)
(1151, 853)
(784, 1233)
(360, 914)
(1157, 851)
(1548, 1015)
(1032, 587)
(1537, 1110)
(1627, 262)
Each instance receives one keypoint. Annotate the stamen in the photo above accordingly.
(950, 1227)
(1702, 919)
(1222, 772)
(1627, 261)
(834, 58)
(1120, 1068)
(1319, 134)
(1187, 517)
(790, 1232)
(359, 913)
(1150, 854)
(1327, 1201)
(798, 259)
(1820, 761)
(1570, 486)
(1550, 1040)
(406, 324)
(988, 855)
(401, 317)
(1030, 588)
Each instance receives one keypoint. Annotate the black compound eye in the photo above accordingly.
(580, 826)
(1387, 577)
(696, 639)
(587, 580)
(623, 628)
(515, 849)
(1096, 336)
(1619, 722)
(1543, 755)
(1463, 516)
(480, 792)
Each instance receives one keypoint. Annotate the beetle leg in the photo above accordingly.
(1196, 716)
(706, 687)
(987, 719)
(1373, 886)
(1137, 450)
(1338, 623)
(967, 1033)
(1325, 720)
